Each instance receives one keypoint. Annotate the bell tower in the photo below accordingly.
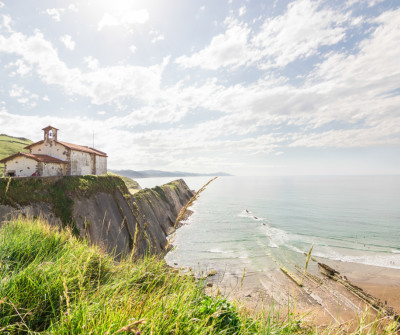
(50, 134)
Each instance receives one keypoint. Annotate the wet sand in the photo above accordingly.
(382, 283)
(323, 300)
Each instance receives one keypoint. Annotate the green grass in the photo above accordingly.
(11, 145)
(58, 192)
(54, 283)
(131, 184)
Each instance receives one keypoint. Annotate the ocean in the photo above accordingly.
(253, 223)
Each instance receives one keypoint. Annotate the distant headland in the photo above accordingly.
(158, 173)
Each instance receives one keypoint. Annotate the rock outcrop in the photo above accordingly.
(101, 209)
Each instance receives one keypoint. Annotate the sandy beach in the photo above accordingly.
(323, 300)
(383, 283)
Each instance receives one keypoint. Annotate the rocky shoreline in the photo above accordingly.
(341, 297)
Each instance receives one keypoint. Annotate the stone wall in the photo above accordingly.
(51, 149)
(81, 163)
(52, 169)
(22, 166)
(101, 165)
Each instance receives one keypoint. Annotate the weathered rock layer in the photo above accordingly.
(100, 208)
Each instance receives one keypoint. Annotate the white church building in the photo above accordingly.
(51, 157)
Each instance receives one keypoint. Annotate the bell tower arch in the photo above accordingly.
(50, 134)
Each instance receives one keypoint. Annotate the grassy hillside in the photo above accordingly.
(57, 191)
(54, 283)
(131, 184)
(10, 145)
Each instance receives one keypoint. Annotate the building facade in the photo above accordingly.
(50, 157)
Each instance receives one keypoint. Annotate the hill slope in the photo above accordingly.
(10, 145)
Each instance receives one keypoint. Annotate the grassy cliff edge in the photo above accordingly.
(54, 283)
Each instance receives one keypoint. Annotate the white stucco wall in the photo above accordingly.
(53, 169)
(81, 163)
(54, 150)
(23, 166)
(101, 165)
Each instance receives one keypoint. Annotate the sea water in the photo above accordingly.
(255, 222)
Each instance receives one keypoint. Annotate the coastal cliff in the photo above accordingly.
(100, 209)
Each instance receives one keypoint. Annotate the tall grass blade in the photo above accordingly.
(307, 261)
(5, 193)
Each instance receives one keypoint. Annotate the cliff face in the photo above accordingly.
(101, 209)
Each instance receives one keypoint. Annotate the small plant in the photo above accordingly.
(220, 313)
(6, 190)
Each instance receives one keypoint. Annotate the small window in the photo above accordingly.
(11, 174)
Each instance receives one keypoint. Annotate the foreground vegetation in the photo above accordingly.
(54, 283)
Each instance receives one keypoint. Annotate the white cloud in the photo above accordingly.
(369, 3)
(46, 98)
(1, 4)
(298, 33)
(21, 68)
(372, 3)
(91, 62)
(132, 49)
(156, 36)
(269, 114)
(68, 42)
(242, 10)
(101, 85)
(126, 17)
(227, 49)
(6, 22)
(23, 96)
(16, 91)
(339, 92)
(55, 13)
(72, 7)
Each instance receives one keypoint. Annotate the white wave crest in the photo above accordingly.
(248, 214)
(277, 237)
(387, 261)
(219, 251)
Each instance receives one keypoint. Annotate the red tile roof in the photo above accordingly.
(83, 148)
(38, 158)
(73, 147)
(33, 144)
(50, 127)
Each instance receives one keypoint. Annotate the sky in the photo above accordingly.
(246, 87)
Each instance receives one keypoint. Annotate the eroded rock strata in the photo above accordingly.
(100, 208)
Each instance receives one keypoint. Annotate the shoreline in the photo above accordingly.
(382, 283)
(324, 300)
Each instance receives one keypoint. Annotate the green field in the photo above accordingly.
(10, 145)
